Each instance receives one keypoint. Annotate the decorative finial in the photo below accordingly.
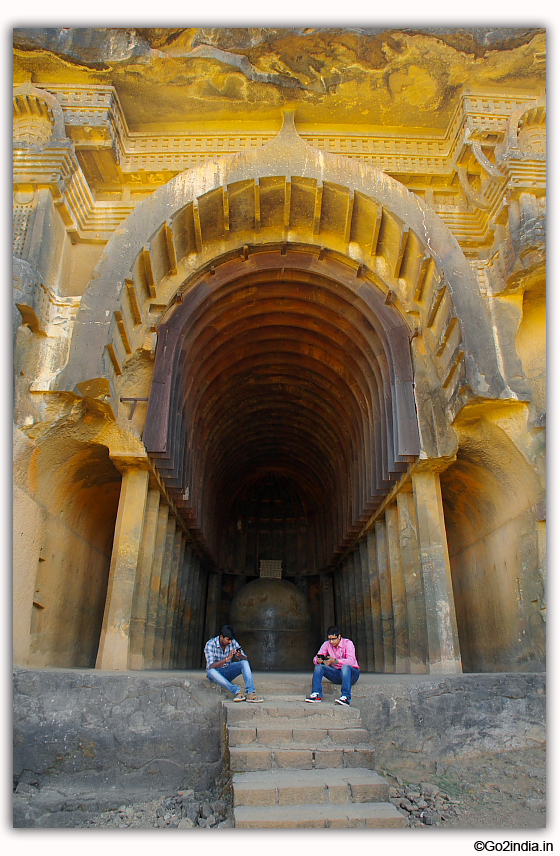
(288, 135)
(288, 123)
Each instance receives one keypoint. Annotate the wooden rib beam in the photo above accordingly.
(318, 207)
(446, 335)
(287, 205)
(376, 230)
(348, 218)
(170, 246)
(455, 360)
(133, 301)
(401, 253)
(148, 272)
(425, 272)
(122, 330)
(197, 226)
(113, 357)
(225, 204)
(257, 187)
(438, 297)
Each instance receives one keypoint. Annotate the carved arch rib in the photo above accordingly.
(287, 193)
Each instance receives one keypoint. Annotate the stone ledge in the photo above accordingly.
(134, 730)
(99, 729)
(446, 717)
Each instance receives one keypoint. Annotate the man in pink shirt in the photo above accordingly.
(335, 660)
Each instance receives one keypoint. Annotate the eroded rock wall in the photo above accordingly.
(102, 730)
(452, 717)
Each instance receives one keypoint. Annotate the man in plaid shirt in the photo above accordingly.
(225, 660)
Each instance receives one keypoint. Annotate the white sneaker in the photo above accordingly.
(313, 698)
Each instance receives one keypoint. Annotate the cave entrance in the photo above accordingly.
(270, 588)
(281, 414)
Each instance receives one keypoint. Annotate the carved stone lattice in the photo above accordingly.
(20, 225)
(271, 568)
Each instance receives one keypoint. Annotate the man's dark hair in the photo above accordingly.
(333, 630)
(227, 631)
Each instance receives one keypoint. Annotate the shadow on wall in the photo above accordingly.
(530, 342)
(76, 488)
(489, 497)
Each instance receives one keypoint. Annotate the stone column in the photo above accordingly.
(327, 603)
(368, 607)
(346, 617)
(172, 599)
(189, 609)
(196, 608)
(398, 591)
(161, 615)
(410, 560)
(179, 605)
(183, 627)
(193, 612)
(155, 579)
(443, 640)
(125, 558)
(212, 606)
(385, 597)
(200, 613)
(142, 588)
(352, 631)
(375, 601)
(339, 612)
(360, 639)
(352, 600)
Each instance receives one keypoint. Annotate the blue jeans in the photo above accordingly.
(224, 675)
(346, 675)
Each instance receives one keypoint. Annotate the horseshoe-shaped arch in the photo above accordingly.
(376, 317)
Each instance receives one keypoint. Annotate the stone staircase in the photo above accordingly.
(298, 765)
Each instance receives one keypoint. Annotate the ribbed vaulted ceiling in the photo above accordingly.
(276, 365)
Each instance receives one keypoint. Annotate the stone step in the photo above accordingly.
(297, 756)
(295, 722)
(240, 713)
(382, 815)
(273, 734)
(296, 787)
(303, 765)
(290, 684)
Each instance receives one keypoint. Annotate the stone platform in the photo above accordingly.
(87, 731)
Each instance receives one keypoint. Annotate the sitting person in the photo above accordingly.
(335, 660)
(225, 660)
